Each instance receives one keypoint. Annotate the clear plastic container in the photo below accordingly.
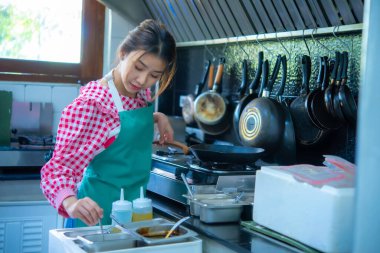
(142, 208)
(122, 210)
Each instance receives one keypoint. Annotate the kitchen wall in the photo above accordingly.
(59, 95)
(190, 67)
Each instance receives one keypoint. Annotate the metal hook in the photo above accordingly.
(340, 40)
(286, 50)
(269, 51)
(325, 47)
(304, 40)
(209, 51)
(242, 48)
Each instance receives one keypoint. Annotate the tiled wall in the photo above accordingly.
(190, 67)
(60, 95)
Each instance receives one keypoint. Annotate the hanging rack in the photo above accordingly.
(271, 36)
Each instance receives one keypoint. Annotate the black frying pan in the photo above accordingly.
(262, 120)
(318, 108)
(221, 153)
(338, 113)
(307, 134)
(347, 101)
(252, 94)
(329, 92)
(312, 94)
(286, 154)
(241, 92)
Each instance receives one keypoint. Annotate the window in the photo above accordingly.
(52, 41)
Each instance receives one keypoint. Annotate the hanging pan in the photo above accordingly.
(188, 102)
(329, 92)
(241, 92)
(306, 132)
(337, 111)
(252, 94)
(261, 123)
(318, 108)
(211, 112)
(347, 101)
(286, 154)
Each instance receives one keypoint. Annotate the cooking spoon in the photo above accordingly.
(176, 225)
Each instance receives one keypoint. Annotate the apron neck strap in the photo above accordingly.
(114, 93)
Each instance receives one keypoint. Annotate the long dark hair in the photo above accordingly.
(152, 36)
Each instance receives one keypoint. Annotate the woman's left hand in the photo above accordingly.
(164, 127)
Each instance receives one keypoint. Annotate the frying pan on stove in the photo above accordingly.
(221, 153)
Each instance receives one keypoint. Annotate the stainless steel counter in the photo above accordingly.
(231, 235)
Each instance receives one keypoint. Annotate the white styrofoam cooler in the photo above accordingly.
(319, 217)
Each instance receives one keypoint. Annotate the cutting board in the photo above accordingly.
(5, 117)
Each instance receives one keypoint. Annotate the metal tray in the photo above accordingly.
(98, 243)
(159, 223)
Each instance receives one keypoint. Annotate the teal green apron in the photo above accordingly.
(126, 163)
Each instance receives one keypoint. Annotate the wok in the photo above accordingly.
(221, 153)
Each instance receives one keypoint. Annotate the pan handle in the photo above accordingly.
(265, 77)
(284, 67)
(185, 149)
(306, 69)
(211, 76)
(199, 87)
(345, 66)
(219, 74)
(243, 85)
(256, 80)
(335, 69)
(326, 72)
(342, 62)
(273, 78)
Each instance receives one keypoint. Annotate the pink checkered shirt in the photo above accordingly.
(87, 126)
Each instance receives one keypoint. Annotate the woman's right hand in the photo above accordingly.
(84, 209)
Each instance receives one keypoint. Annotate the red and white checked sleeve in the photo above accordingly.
(83, 131)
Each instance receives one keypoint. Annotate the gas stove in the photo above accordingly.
(168, 165)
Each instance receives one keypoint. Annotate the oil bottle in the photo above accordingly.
(142, 208)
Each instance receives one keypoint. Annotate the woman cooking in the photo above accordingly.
(105, 135)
